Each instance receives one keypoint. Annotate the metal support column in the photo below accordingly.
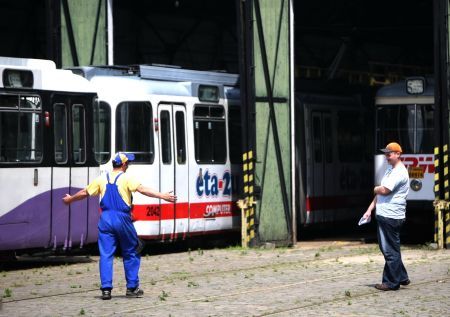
(441, 123)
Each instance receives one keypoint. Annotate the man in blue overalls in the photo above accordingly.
(115, 226)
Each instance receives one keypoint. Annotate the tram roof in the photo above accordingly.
(398, 89)
(396, 94)
(157, 80)
(129, 85)
(45, 75)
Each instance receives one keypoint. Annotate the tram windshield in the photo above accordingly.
(409, 125)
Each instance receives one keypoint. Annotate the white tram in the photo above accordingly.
(405, 114)
(45, 151)
(184, 128)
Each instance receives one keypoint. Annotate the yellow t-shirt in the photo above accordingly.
(126, 185)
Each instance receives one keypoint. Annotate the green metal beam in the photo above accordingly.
(83, 32)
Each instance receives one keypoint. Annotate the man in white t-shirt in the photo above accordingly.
(390, 204)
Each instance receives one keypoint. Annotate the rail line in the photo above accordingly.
(202, 274)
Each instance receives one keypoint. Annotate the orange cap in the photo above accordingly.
(392, 147)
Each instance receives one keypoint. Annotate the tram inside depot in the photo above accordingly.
(344, 49)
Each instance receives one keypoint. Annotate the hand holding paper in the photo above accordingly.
(364, 220)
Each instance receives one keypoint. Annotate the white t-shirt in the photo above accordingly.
(397, 181)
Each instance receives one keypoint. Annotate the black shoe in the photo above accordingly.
(136, 292)
(384, 287)
(106, 294)
(405, 282)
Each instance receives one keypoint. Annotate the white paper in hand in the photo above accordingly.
(364, 221)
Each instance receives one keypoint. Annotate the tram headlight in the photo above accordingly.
(416, 185)
(415, 86)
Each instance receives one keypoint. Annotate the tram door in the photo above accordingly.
(173, 169)
(322, 173)
(69, 223)
(79, 173)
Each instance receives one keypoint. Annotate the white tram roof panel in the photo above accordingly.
(158, 80)
(396, 94)
(133, 85)
(45, 75)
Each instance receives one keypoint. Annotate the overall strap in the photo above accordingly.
(117, 177)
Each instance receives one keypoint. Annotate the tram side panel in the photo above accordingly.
(25, 176)
(333, 166)
(37, 174)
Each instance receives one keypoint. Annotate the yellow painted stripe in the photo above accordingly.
(445, 171)
(446, 184)
(436, 177)
(446, 196)
(250, 166)
(445, 148)
(250, 155)
(245, 168)
(245, 189)
(445, 158)
(251, 211)
(436, 162)
(245, 178)
(250, 189)
(250, 200)
(247, 213)
(252, 222)
(436, 188)
(252, 234)
(244, 157)
(250, 178)
(436, 151)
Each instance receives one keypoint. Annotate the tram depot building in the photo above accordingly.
(308, 74)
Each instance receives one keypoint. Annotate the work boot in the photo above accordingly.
(134, 292)
(106, 294)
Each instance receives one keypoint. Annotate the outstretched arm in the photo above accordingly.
(68, 199)
(153, 193)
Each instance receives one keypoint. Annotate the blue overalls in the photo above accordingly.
(115, 227)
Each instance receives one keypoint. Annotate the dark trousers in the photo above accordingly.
(389, 242)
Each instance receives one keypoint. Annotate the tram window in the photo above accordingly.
(20, 130)
(20, 136)
(181, 137)
(216, 112)
(328, 139)
(60, 133)
(350, 137)
(9, 101)
(219, 143)
(134, 130)
(317, 139)
(235, 135)
(30, 103)
(102, 126)
(166, 149)
(424, 131)
(209, 135)
(201, 111)
(78, 134)
(396, 123)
